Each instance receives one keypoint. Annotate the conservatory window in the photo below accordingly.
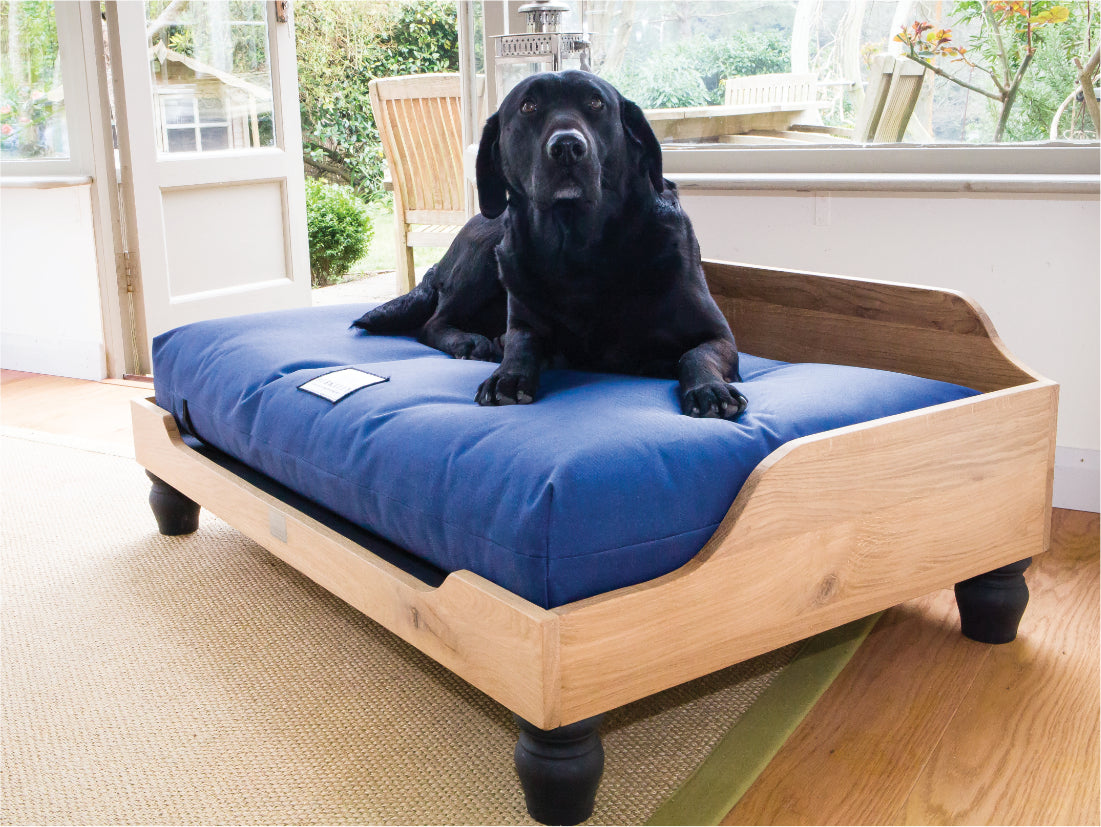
(994, 71)
(32, 106)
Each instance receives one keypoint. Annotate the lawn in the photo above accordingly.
(381, 253)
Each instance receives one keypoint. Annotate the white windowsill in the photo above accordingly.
(888, 182)
(43, 182)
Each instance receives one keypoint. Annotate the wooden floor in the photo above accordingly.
(922, 727)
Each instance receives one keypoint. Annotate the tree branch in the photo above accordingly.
(1085, 80)
(937, 70)
(328, 169)
(1003, 56)
(165, 18)
(1011, 95)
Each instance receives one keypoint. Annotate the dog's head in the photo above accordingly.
(562, 138)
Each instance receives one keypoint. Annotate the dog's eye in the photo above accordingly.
(596, 104)
(528, 106)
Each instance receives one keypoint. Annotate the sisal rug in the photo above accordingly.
(199, 680)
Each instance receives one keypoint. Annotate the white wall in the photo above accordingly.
(50, 319)
(1033, 263)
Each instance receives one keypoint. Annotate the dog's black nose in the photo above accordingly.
(567, 146)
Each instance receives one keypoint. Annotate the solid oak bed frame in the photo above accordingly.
(829, 528)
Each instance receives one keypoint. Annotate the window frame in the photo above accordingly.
(78, 123)
(196, 126)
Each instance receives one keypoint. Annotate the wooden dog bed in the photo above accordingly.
(829, 528)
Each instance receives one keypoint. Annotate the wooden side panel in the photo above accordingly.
(808, 317)
(827, 530)
(500, 643)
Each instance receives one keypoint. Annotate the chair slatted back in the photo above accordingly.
(775, 88)
(419, 123)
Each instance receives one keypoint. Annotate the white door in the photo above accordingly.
(211, 155)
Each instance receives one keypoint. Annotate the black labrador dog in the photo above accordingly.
(582, 256)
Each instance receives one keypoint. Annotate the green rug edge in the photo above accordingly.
(715, 786)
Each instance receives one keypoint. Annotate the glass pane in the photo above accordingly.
(215, 137)
(179, 110)
(32, 104)
(211, 58)
(808, 71)
(181, 140)
(211, 110)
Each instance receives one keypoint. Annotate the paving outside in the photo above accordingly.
(376, 288)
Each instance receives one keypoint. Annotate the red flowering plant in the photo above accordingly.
(1003, 50)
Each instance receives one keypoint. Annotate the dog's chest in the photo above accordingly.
(610, 331)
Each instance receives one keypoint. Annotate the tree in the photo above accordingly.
(341, 48)
(1004, 50)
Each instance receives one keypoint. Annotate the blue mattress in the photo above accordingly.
(602, 483)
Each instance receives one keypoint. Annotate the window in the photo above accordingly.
(798, 88)
(32, 102)
(976, 72)
(211, 78)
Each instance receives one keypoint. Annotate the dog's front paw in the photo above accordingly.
(504, 388)
(717, 400)
(478, 347)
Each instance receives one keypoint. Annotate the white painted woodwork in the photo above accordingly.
(210, 234)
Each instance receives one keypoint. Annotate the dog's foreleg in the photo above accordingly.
(460, 344)
(515, 381)
(704, 372)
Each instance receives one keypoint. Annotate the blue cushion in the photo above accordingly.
(602, 483)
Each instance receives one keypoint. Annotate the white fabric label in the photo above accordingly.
(338, 384)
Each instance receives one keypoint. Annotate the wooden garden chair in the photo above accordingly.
(419, 123)
(894, 85)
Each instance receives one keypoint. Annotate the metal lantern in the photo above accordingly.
(542, 48)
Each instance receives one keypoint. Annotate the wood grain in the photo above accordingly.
(97, 411)
(827, 530)
(420, 128)
(976, 774)
(497, 641)
(834, 772)
(810, 317)
(927, 727)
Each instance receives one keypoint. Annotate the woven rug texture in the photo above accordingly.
(199, 680)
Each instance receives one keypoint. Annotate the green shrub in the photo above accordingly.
(339, 230)
(690, 72)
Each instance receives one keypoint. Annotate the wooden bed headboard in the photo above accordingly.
(796, 316)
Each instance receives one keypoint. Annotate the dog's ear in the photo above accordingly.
(639, 133)
(492, 196)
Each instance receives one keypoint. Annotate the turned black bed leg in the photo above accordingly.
(175, 513)
(992, 604)
(560, 770)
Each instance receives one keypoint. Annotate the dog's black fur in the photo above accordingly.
(589, 245)
(459, 306)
